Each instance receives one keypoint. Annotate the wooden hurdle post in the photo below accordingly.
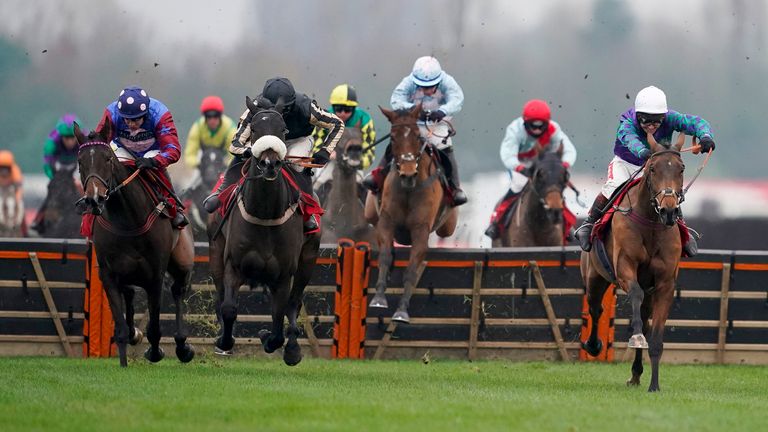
(550, 311)
(350, 301)
(474, 322)
(725, 284)
(51, 304)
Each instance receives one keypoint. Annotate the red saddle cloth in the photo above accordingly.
(601, 227)
(308, 205)
(148, 179)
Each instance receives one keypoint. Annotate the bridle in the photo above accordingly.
(109, 185)
(658, 197)
(410, 156)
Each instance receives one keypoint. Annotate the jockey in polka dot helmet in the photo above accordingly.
(143, 134)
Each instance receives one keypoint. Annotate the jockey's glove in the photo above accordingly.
(247, 153)
(707, 144)
(146, 163)
(322, 157)
(435, 116)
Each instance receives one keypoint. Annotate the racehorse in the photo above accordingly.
(213, 162)
(643, 245)
(537, 219)
(263, 241)
(413, 204)
(11, 212)
(57, 217)
(344, 211)
(134, 246)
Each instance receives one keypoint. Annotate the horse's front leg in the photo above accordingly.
(115, 298)
(154, 294)
(596, 287)
(385, 231)
(180, 268)
(134, 334)
(272, 340)
(419, 238)
(637, 365)
(228, 309)
(626, 272)
(662, 301)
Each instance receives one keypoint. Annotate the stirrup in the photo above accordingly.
(583, 234)
(211, 203)
(493, 231)
(459, 197)
(370, 183)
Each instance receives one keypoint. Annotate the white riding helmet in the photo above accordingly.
(651, 100)
(426, 72)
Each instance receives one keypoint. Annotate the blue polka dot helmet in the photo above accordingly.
(133, 102)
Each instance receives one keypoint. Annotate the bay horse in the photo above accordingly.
(537, 219)
(643, 245)
(213, 162)
(58, 218)
(263, 241)
(413, 204)
(344, 211)
(134, 246)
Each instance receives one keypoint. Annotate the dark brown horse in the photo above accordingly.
(59, 219)
(213, 162)
(412, 205)
(344, 211)
(263, 241)
(537, 219)
(134, 246)
(643, 245)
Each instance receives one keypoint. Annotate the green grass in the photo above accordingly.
(257, 394)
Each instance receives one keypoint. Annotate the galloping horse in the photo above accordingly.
(537, 219)
(264, 241)
(413, 204)
(643, 246)
(134, 246)
(344, 216)
(11, 212)
(58, 218)
(213, 162)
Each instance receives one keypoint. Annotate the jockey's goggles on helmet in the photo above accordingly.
(647, 119)
(212, 114)
(538, 125)
(343, 109)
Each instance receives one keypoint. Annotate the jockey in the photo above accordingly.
(61, 145)
(301, 115)
(519, 150)
(10, 177)
(440, 97)
(213, 130)
(143, 132)
(344, 104)
(631, 150)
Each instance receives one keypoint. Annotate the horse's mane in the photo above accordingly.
(403, 111)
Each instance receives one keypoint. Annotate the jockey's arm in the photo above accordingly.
(321, 118)
(569, 150)
(454, 96)
(630, 139)
(318, 135)
(510, 146)
(369, 137)
(689, 124)
(168, 141)
(239, 143)
(192, 147)
(401, 95)
(49, 158)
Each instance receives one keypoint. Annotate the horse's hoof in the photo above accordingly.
(633, 382)
(638, 341)
(186, 353)
(221, 352)
(292, 354)
(224, 346)
(138, 336)
(154, 356)
(379, 301)
(401, 317)
(654, 389)
(269, 342)
(593, 350)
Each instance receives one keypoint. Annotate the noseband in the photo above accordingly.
(410, 157)
(657, 197)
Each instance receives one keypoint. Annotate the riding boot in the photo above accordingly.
(584, 232)
(459, 197)
(180, 220)
(304, 180)
(375, 178)
(691, 247)
(499, 220)
(232, 175)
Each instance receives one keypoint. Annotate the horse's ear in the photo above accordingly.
(279, 105)
(389, 114)
(79, 136)
(680, 141)
(249, 103)
(655, 146)
(415, 111)
(106, 129)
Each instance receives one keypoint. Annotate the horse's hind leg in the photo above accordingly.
(228, 309)
(419, 237)
(274, 339)
(116, 299)
(180, 269)
(154, 293)
(596, 287)
(292, 351)
(662, 301)
(135, 335)
(637, 365)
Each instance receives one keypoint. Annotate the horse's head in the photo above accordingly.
(349, 151)
(212, 162)
(97, 164)
(407, 143)
(549, 179)
(663, 175)
(266, 118)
